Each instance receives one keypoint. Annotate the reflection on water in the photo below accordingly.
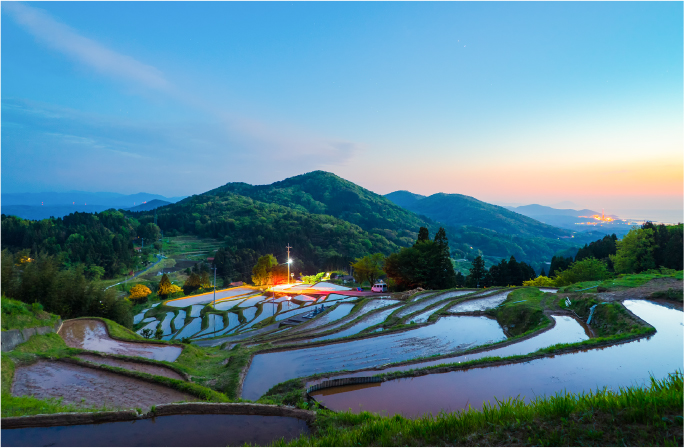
(615, 366)
(565, 331)
(92, 335)
(172, 430)
(480, 304)
(446, 335)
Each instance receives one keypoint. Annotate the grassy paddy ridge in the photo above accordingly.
(630, 416)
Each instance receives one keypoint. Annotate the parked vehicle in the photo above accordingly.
(379, 287)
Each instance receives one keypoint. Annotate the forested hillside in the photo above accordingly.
(250, 228)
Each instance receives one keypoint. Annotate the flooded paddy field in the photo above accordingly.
(422, 304)
(620, 365)
(91, 334)
(209, 297)
(80, 385)
(565, 331)
(171, 430)
(152, 369)
(482, 304)
(446, 335)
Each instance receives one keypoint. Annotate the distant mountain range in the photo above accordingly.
(47, 204)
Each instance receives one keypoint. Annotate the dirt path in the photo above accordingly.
(89, 387)
(643, 291)
(92, 335)
(135, 366)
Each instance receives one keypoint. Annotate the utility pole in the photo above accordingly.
(214, 297)
(288, 263)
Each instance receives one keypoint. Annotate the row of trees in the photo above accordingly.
(649, 247)
(505, 273)
(102, 240)
(66, 292)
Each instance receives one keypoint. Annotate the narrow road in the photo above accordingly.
(159, 259)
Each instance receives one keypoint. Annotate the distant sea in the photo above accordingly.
(668, 216)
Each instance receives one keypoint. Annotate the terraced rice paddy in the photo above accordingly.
(91, 334)
(171, 430)
(422, 304)
(83, 386)
(620, 365)
(482, 304)
(446, 335)
(566, 330)
(209, 297)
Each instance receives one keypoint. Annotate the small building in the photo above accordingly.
(210, 259)
(345, 278)
(138, 248)
(237, 283)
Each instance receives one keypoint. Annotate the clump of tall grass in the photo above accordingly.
(627, 406)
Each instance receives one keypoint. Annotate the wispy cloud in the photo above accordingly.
(86, 51)
(255, 151)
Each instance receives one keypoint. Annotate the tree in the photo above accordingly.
(427, 264)
(635, 252)
(311, 279)
(192, 283)
(165, 287)
(159, 333)
(542, 280)
(477, 273)
(369, 268)
(585, 270)
(146, 333)
(139, 292)
(445, 276)
(423, 235)
(262, 271)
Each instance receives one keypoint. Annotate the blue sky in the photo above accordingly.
(507, 102)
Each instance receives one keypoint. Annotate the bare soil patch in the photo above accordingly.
(643, 291)
(80, 385)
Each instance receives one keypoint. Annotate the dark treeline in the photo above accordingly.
(511, 272)
(601, 250)
(66, 292)
(102, 240)
(427, 264)
(650, 246)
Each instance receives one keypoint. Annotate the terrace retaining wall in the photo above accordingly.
(12, 338)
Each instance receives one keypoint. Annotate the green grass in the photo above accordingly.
(290, 393)
(523, 311)
(670, 294)
(629, 416)
(19, 315)
(622, 281)
(609, 318)
(121, 332)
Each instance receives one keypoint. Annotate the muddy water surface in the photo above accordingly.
(136, 366)
(90, 387)
(613, 367)
(171, 430)
(446, 335)
(92, 335)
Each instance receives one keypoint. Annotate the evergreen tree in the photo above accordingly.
(164, 288)
(543, 272)
(477, 273)
(445, 276)
(423, 235)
